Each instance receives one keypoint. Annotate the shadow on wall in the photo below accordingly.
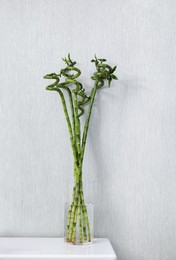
(110, 216)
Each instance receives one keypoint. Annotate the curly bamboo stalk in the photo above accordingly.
(73, 122)
(55, 87)
(77, 98)
(77, 123)
(98, 84)
(71, 104)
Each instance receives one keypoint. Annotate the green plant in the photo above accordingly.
(66, 81)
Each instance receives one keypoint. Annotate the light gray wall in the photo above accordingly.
(131, 152)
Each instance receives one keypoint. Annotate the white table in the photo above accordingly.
(54, 248)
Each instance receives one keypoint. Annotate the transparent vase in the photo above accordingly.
(79, 212)
(78, 223)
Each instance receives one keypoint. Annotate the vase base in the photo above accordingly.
(78, 243)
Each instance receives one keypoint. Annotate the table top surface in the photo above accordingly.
(54, 248)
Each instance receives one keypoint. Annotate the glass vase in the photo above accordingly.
(78, 223)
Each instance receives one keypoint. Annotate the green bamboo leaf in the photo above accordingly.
(94, 77)
(113, 76)
(113, 69)
(69, 57)
(102, 60)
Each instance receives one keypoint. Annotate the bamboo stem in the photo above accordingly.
(86, 126)
(71, 105)
(69, 125)
(77, 124)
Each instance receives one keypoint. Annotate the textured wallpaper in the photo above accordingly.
(130, 159)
